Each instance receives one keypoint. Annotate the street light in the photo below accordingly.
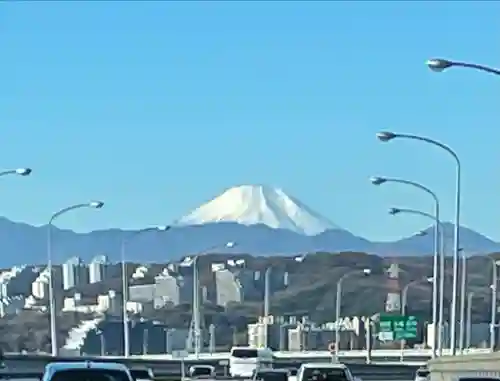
(386, 136)
(267, 289)
(125, 241)
(404, 293)
(338, 302)
(470, 296)
(383, 180)
(463, 292)
(435, 219)
(17, 171)
(193, 261)
(404, 302)
(494, 290)
(439, 65)
(52, 307)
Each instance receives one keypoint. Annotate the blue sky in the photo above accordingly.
(157, 107)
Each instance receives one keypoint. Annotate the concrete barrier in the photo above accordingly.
(450, 368)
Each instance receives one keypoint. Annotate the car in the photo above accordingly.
(202, 371)
(272, 375)
(325, 372)
(245, 361)
(86, 371)
(422, 374)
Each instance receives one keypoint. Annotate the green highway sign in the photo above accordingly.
(398, 327)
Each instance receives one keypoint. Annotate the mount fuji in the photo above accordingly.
(257, 204)
(261, 220)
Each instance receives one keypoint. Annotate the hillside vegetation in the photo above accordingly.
(311, 292)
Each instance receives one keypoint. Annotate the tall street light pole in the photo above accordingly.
(438, 246)
(196, 318)
(386, 136)
(494, 291)
(470, 297)
(404, 303)
(267, 293)
(439, 64)
(267, 296)
(338, 305)
(52, 307)
(125, 241)
(383, 180)
(267, 285)
(463, 292)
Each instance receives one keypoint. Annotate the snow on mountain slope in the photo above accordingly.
(257, 204)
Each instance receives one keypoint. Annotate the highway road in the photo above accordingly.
(367, 372)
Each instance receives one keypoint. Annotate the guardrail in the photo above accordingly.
(376, 353)
(282, 354)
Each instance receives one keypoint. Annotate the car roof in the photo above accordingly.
(58, 366)
(326, 365)
(273, 371)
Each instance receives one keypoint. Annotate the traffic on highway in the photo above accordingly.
(244, 363)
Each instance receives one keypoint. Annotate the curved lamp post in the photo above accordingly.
(193, 261)
(338, 304)
(386, 136)
(440, 64)
(395, 211)
(52, 307)
(383, 180)
(125, 241)
(404, 302)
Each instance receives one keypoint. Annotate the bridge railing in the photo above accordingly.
(376, 353)
(474, 365)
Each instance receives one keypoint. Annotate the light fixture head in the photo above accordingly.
(385, 136)
(299, 258)
(23, 171)
(394, 211)
(438, 64)
(429, 279)
(96, 204)
(376, 180)
(163, 228)
(230, 244)
(421, 233)
(367, 271)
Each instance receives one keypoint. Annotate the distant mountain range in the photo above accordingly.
(259, 220)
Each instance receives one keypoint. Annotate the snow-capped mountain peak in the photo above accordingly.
(258, 204)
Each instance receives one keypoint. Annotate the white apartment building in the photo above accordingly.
(40, 287)
(97, 269)
(167, 290)
(74, 273)
(228, 287)
(103, 303)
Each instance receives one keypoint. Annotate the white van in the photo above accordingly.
(325, 372)
(245, 361)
